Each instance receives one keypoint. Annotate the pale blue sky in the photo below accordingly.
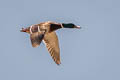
(92, 53)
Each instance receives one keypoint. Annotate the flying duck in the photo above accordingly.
(45, 32)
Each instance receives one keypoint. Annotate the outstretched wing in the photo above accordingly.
(52, 44)
(36, 38)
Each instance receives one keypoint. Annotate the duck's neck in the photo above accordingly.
(67, 25)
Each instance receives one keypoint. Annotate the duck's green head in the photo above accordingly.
(70, 25)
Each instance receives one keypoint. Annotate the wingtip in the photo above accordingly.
(58, 63)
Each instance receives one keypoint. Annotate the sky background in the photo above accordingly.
(92, 53)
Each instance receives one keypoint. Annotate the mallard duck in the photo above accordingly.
(45, 32)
